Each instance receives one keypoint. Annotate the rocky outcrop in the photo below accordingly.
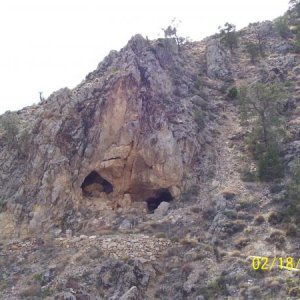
(123, 134)
(218, 61)
(119, 280)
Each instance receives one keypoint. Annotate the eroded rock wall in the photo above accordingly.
(131, 121)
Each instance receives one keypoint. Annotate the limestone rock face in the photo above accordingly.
(217, 61)
(121, 123)
(139, 184)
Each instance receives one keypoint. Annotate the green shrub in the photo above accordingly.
(253, 51)
(296, 46)
(270, 166)
(232, 93)
(296, 43)
(228, 35)
(293, 190)
(198, 83)
(254, 142)
(161, 235)
(282, 28)
(15, 136)
(214, 288)
(258, 106)
(38, 277)
(248, 176)
(199, 118)
(10, 127)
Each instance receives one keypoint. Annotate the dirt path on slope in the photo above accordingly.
(226, 152)
(231, 159)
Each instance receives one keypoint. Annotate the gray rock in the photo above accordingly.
(125, 224)
(68, 233)
(68, 296)
(217, 61)
(220, 203)
(199, 101)
(114, 122)
(132, 294)
(191, 255)
(162, 209)
(116, 277)
(56, 232)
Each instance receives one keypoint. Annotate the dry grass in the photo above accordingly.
(275, 218)
(189, 241)
(228, 193)
(234, 253)
(259, 220)
(31, 291)
(292, 230)
(294, 292)
(241, 242)
(277, 238)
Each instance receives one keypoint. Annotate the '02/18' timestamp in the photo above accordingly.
(282, 263)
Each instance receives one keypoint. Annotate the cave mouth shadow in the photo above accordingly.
(94, 184)
(162, 195)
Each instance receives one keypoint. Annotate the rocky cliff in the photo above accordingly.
(129, 185)
(129, 123)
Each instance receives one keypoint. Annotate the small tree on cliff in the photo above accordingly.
(259, 106)
(171, 32)
(260, 36)
(253, 50)
(229, 36)
(293, 189)
(282, 28)
(10, 126)
(15, 136)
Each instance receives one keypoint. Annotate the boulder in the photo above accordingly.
(161, 210)
(125, 225)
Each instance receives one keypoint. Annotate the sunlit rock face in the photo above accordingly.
(130, 121)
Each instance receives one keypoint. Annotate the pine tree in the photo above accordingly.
(259, 106)
(229, 36)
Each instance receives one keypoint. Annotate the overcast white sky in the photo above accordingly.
(49, 44)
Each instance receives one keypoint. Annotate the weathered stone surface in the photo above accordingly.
(125, 224)
(217, 61)
(117, 123)
(68, 296)
(162, 209)
(116, 277)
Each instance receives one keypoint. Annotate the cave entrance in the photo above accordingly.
(94, 184)
(162, 195)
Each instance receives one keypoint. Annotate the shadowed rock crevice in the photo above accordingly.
(94, 184)
(162, 195)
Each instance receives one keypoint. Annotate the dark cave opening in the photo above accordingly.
(94, 184)
(162, 195)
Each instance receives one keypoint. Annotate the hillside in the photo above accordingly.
(140, 183)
